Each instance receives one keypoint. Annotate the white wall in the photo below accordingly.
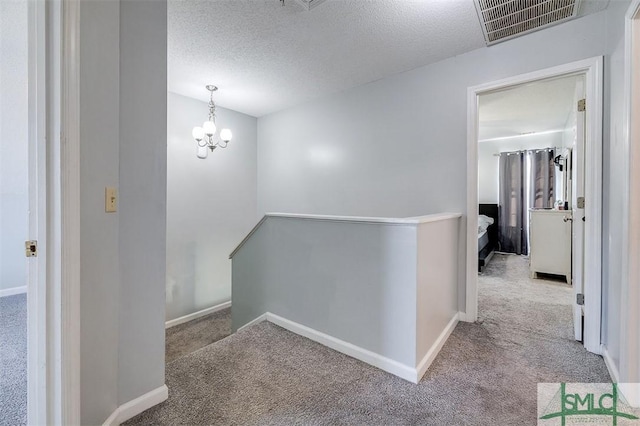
(397, 147)
(615, 168)
(354, 152)
(488, 163)
(123, 110)
(14, 201)
(211, 205)
(437, 284)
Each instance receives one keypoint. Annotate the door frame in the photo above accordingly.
(629, 364)
(592, 69)
(54, 287)
(67, 99)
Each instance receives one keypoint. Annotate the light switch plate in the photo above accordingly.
(110, 199)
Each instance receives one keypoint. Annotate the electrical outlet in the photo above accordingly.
(110, 199)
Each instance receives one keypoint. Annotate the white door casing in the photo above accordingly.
(54, 280)
(592, 69)
(628, 368)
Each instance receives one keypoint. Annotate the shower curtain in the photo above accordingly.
(512, 209)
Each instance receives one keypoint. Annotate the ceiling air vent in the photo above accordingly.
(505, 19)
(310, 4)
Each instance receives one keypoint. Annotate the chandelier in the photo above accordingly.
(205, 136)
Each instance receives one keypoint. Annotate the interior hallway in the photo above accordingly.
(486, 373)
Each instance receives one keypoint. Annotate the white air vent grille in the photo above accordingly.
(505, 19)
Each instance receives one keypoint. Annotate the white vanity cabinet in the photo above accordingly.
(550, 241)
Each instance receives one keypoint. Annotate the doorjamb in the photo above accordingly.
(593, 70)
(37, 306)
(629, 368)
(69, 237)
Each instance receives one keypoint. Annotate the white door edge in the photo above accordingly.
(629, 360)
(37, 309)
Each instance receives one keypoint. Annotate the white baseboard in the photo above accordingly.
(133, 408)
(396, 368)
(13, 291)
(630, 391)
(433, 351)
(195, 315)
(390, 366)
(261, 318)
(611, 366)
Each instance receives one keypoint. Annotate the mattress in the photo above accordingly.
(483, 240)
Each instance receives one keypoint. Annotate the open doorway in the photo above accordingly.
(586, 279)
(530, 190)
(14, 210)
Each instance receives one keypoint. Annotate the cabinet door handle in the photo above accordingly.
(567, 219)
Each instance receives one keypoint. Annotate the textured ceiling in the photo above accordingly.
(266, 57)
(542, 106)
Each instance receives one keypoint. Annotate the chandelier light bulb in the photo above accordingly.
(198, 133)
(202, 152)
(209, 128)
(225, 135)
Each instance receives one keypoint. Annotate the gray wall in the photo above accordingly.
(211, 205)
(314, 272)
(397, 147)
(143, 196)
(123, 144)
(337, 266)
(99, 162)
(14, 200)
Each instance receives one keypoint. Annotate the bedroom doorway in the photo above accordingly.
(531, 138)
(527, 138)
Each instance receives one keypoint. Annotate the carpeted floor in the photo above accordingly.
(185, 338)
(13, 360)
(486, 373)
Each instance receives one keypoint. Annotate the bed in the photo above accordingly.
(487, 233)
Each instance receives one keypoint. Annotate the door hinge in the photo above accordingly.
(31, 248)
(580, 299)
(582, 105)
(580, 202)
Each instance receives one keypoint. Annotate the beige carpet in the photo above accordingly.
(186, 338)
(486, 374)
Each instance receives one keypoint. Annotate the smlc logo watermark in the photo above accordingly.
(584, 404)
